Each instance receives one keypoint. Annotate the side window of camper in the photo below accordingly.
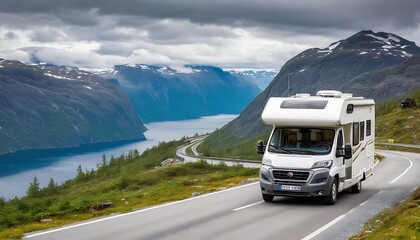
(356, 132)
(362, 130)
(368, 127)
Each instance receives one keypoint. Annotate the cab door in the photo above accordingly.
(340, 159)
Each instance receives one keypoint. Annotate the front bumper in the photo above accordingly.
(317, 184)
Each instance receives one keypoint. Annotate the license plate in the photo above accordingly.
(289, 187)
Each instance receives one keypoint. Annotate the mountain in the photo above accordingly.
(46, 106)
(373, 65)
(163, 93)
(260, 78)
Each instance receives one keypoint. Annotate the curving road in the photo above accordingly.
(239, 213)
(195, 142)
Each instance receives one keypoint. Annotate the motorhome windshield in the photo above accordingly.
(314, 141)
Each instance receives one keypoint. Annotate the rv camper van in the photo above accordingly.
(319, 146)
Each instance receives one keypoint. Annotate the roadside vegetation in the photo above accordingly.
(243, 149)
(120, 184)
(399, 222)
(401, 125)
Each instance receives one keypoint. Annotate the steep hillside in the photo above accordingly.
(402, 125)
(162, 93)
(44, 106)
(372, 65)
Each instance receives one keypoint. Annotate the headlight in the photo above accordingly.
(323, 164)
(267, 161)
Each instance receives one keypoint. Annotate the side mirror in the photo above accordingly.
(344, 152)
(347, 151)
(260, 147)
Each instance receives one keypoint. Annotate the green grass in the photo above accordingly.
(243, 149)
(130, 182)
(399, 222)
(402, 125)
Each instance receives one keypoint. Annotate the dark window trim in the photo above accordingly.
(356, 133)
(350, 108)
(362, 130)
(368, 127)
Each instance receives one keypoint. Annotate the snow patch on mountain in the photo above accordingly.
(385, 40)
(334, 45)
(58, 77)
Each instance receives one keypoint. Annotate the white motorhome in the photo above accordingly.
(319, 146)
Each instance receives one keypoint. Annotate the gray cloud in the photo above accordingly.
(10, 35)
(247, 33)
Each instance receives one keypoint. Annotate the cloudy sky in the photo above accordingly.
(232, 34)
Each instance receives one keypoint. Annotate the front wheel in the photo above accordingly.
(267, 198)
(332, 198)
(357, 188)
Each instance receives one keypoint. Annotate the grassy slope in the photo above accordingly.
(245, 148)
(399, 222)
(130, 182)
(402, 125)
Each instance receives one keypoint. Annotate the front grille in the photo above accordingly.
(297, 175)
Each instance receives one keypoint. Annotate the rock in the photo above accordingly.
(45, 220)
(195, 194)
(102, 206)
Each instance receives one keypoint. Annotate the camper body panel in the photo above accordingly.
(291, 168)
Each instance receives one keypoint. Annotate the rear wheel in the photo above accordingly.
(267, 198)
(332, 198)
(357, 188)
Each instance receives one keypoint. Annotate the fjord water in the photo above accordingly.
(62, 164)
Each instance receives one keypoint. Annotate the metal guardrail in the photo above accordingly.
(235, 160)
(398, 144)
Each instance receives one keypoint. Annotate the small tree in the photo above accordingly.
(33, 190)
(52, 186)
(79, 173)
(104, 162)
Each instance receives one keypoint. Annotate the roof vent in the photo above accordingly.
(329, 93)
(302, 95)
(347, 95)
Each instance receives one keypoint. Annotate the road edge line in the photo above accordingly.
(336, 220)
(134, 212)
(405, 171)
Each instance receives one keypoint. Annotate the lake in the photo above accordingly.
(61, 165)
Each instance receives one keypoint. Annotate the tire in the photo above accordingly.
(267, 198)
(332, 197)
(357, 188)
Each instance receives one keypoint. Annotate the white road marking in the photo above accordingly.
(406, 170)
(336, 220)
(247, 206)
(135, 212)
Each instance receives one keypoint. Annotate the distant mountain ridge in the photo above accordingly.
(163, 93)
(260, 77)
(373, 65)
(46, 106)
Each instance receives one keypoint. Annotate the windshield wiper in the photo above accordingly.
(278, 149)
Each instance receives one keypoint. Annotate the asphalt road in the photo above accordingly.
(181, 152)
(239, 213)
